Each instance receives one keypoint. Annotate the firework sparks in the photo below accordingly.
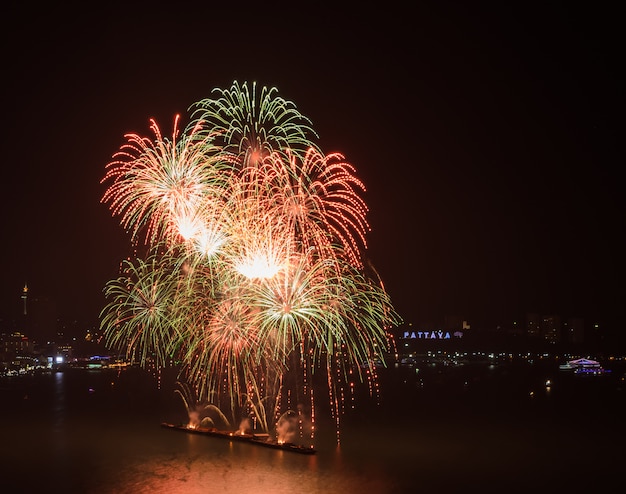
(164, 185)
(252, 125)
(254, 278)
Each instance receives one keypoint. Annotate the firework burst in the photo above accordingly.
(164, 186)
(252, 124)
(254, 278)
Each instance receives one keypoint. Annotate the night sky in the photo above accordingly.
(488, 136)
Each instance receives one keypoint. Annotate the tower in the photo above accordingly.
(25, 298)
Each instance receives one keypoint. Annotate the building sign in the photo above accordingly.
(431, 335)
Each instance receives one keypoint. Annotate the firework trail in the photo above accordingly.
(164, 186)
(252, 125)
(254, 279)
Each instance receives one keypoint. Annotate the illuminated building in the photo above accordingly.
(551, 328)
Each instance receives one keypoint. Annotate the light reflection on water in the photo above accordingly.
(187, 463)
(236, 469)
(98, 432)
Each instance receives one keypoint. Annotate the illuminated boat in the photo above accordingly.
(258, 439)
(584, 366)
(581, 363)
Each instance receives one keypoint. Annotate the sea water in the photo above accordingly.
(502, 428)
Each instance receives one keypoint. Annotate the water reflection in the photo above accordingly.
(200, 464)
(99, 432)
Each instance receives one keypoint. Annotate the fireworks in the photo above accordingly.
(251, 126)
(253, 278)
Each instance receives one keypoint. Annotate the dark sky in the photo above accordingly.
(488, 136)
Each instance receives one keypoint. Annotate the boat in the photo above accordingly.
(581, 363)
(585, 367)
(253, 438)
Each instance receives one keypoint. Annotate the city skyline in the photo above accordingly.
(487, 141)
(42, 308)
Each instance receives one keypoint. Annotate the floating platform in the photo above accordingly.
(258, 439)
